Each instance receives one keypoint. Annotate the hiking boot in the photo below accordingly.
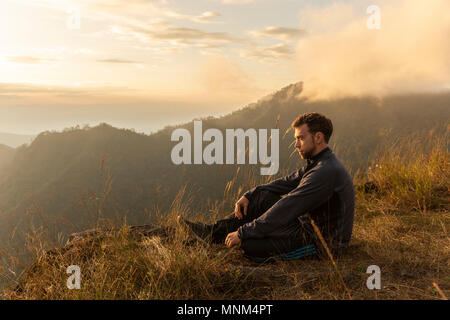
(201, 231)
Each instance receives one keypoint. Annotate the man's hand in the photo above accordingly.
(232, 239)
(243, 201)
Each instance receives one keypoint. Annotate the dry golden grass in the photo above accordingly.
(401, 224)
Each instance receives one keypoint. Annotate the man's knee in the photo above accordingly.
(262, 200)
(264, 194)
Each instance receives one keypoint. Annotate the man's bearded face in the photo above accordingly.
(304, 141)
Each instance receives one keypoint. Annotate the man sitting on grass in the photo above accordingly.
(277, 219)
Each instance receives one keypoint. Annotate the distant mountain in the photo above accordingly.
(61, 179)
(6, 155)
(15, 140)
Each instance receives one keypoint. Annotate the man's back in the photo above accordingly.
(335, 212)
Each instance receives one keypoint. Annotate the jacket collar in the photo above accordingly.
(318, 156)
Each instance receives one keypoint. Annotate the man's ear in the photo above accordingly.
(318, 136)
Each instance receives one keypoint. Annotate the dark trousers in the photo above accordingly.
(291, 238)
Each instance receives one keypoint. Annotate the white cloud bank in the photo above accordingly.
(409, 53)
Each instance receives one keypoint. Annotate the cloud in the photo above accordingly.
(273, 53)
(29, 59)
(188, 34)
(343, 57)
(279, 32)
(119, 61)
(29, 93)
(146, 21)
(175, 35)
(44, 55)
(207, 16)
(238, 1)
(63, 50)
(139, 11)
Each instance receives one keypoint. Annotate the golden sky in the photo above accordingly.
(147, 63)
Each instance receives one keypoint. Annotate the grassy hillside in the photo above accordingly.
(73, 180)
(402, 220)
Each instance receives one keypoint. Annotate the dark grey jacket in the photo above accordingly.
(323, 189)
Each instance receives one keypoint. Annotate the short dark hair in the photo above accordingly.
(316, 123)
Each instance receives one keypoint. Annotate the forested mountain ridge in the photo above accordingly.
(6, 155)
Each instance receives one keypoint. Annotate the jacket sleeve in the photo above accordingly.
(279, 186)
(315, 188)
